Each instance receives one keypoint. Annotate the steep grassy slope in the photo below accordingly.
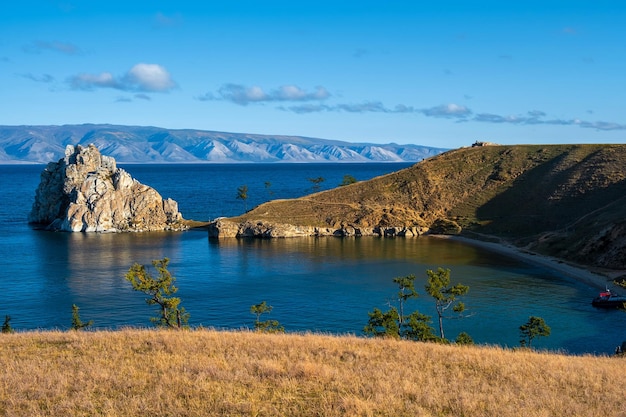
(563, 200)
(207, 373)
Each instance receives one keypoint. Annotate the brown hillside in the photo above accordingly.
(562, 200)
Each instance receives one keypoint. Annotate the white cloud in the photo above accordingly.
(149, 77)
(91, 81)
(447, 110)
(294, 93)
(140, 78)
(243, 95)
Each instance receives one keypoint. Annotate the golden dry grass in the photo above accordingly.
(208, 373)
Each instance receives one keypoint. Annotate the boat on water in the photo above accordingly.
(609, 299)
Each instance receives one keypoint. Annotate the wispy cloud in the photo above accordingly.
(66, 48)
(448, 111)
(537, 117)
(360, 52)
(307, 102)
(140, 78)
(126, 99)
(457, 112)
(164, 21)
(44, 78)
(242, 95)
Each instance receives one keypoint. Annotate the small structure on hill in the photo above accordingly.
(86, 192)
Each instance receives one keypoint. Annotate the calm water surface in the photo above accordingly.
(325, 284)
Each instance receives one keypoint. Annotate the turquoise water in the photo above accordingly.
(325, 285)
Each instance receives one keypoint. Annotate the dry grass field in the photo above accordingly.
(209, 373)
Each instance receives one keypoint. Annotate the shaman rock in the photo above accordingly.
(86, 192)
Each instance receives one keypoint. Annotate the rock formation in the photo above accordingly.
(86, 192)
(225, 228)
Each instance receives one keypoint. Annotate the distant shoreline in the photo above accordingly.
(579, 273)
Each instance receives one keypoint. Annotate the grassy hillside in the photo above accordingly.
(567, 201)
(207, 373)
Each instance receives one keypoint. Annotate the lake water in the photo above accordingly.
(322, 285)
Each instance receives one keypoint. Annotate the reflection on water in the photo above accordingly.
(325, 284)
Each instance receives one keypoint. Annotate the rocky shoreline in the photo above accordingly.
(226, 228)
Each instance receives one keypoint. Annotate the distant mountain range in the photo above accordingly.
(136, 144)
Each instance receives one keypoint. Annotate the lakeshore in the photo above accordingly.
(305, 279)
(580, 273)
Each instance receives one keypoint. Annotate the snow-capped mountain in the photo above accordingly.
(135, 144)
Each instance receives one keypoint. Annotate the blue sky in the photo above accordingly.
(443, 73)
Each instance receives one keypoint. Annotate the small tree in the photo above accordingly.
(395, 323)
(316, 183)
(464, 339)
(77, 323)
(439, 288)
(268, 186)
(406, 291)
(383, 324)
(347, 180)
(242, 194)
(158, 290)
(6, 326)
(417, 326)
(534, 327)
(267, 326)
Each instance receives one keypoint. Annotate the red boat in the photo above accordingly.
(608, 299)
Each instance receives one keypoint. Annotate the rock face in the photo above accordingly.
(225, 228)
(86, 192)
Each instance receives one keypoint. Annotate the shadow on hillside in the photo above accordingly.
(548, 198)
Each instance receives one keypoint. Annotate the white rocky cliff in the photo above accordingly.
(86, 192)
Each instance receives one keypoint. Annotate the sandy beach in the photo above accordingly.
(580, 273)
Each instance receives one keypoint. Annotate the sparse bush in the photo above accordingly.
(347, 180)
(266, 326)
(242, 194)
(395, 323)
(6, 326)
(464, 339)
(316, 183)
(77, 323)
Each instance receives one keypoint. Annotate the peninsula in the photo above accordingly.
(562, 201)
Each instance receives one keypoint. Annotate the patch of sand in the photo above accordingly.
(580, 273)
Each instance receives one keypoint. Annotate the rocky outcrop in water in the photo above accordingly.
(86, 192)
